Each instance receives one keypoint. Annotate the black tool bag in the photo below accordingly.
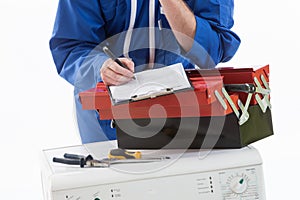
(195, 132)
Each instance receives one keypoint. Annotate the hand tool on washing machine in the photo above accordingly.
(125, 154)
(89, 161)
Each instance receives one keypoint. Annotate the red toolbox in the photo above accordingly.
(228, 108)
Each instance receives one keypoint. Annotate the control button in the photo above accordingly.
(238, 185)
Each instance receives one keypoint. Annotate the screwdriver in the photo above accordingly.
(124, 154)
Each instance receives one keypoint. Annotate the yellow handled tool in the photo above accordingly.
(124, 154)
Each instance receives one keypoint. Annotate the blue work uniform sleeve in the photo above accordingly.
(78, 29)
(214, 42)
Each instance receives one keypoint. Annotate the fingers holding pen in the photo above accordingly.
(129, 63)
(114, 74)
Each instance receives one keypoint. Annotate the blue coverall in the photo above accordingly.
(81, 26)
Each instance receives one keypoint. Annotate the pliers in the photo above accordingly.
(82, 161)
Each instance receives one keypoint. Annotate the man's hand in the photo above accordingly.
(181, 20)
(113, 74)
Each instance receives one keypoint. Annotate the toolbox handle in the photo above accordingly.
(247, 88)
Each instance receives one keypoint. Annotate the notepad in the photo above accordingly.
(150, 84)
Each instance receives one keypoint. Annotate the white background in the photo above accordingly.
(36, 105)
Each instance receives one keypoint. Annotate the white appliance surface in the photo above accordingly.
(232, 174)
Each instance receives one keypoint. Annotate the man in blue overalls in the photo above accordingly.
(145, 33)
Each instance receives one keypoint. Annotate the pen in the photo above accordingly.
(113, 57)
